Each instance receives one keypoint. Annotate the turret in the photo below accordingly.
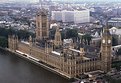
(57, 40)
(30, 40)
(42, 25)
(82, 51)
(71, 45)
(13, 42)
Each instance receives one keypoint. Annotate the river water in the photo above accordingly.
(14, 69)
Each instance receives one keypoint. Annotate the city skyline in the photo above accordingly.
(78, 40)
(34, 1)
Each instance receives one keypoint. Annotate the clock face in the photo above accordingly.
(109, 41)
(103, 41)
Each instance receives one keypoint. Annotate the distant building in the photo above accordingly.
(57, 15)
(40, 1)
(115, 22)
(43, 1)
(67, 16)
(82, 16)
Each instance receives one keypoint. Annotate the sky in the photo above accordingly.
(59, 0)
(93, 0)
(19, 0)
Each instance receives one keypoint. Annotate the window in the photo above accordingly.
(38, 24)
(43, 24)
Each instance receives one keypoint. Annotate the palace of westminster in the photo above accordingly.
(70, 59)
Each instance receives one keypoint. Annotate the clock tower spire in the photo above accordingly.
(106, 44)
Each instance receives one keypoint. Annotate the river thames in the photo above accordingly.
(14, 69)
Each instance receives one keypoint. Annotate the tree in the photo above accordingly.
(114, 40)
(3, 42)
(71, 33)
(52, 33)
(62, 35)
(119, 51)
(117, 65)
(23, 34)
(87, 37)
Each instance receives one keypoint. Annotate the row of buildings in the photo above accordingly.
(71, 59)
(82, 16)
(115, 22)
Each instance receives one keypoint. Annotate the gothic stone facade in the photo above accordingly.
(69, 61)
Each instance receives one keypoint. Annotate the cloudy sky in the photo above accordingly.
(19, 0)
(57, 0)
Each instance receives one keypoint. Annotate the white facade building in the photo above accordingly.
(67, 16)
(82, 16)
(57, 15)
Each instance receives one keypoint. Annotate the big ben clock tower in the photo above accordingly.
(106, 44)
